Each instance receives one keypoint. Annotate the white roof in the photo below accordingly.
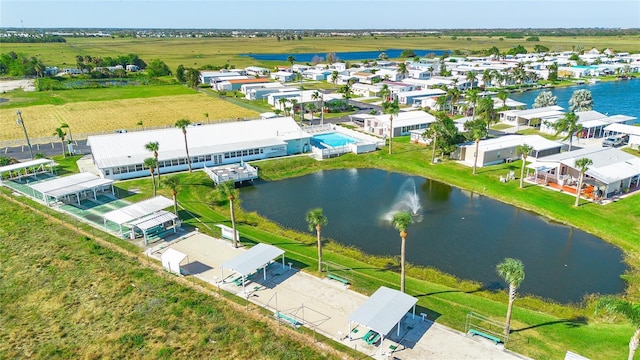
(622, 128)
(138, 210)
(26, 164)
(509, 141)
(128, 149)
(171, 260)
(152, 220)
(425, 92)
(58, 183)
(619, 118)
(383, 310)
(589, 115)
(536, 112)
(74, 189)
(253, 259)
(592, 123)
(406, 118)
(609, 164)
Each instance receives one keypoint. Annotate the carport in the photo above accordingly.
(382, 311)
(137, 211)
(250, 261)
(76, 184)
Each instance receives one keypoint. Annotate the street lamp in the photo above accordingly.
(19, 121)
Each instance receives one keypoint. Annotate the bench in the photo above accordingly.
(495, 339)
(286, 318)
(238, 280)
(338, 278)
(371, 337)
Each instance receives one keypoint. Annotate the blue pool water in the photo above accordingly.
(331, 139)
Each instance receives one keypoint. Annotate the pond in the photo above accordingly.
(455, 231)
(342, 56)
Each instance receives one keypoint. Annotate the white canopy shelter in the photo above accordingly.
(253, 259)
(76, 184)
(383, 310)
(171, 260)
(152, 220)
(32, 167)
(136, 211)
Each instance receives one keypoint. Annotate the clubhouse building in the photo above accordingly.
(121, 155)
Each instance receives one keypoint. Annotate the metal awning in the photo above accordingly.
(138, 210)
(250, 261)
(383, 310)
(153, 220)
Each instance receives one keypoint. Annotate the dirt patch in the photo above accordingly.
(9, 85)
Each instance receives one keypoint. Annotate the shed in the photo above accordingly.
(171, 260)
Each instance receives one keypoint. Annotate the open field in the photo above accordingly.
(196, 52)
(111, 111)
(65, 296)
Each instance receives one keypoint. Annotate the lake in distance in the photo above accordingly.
(455, 231)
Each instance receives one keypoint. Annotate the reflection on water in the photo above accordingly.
(460, 232)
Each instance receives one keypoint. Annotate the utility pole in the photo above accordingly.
(21, 122)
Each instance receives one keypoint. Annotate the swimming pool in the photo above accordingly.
(333, 139)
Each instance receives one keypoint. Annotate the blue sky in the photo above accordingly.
(320, 14)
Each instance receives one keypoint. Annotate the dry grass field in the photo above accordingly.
(196, 52)
(104, 116)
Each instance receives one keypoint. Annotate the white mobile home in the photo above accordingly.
(504, 149)
(402, 124)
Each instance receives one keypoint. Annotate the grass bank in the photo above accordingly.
(66, 296)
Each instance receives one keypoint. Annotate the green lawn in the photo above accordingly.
(59, 97)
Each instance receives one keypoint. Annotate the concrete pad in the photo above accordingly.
(325, 305)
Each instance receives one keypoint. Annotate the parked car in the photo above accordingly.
(613, 141)
(121, 131)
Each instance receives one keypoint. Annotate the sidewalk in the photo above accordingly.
(325, 305)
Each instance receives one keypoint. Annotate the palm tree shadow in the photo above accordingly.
(488, 287)
(574, 322)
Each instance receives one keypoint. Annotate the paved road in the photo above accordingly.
(22, 152)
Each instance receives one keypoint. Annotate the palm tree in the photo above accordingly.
(544, 99)
(627, 309)
(486, 77)
(151, 163)
(472, 99)
(66, 126)
(385, 92)
(441, 102)
(403, 70)
(523, 150)
(503, 95)
(61, 134)
(454, 96)
(582, 165)
(471, 78)
(228, 189)
(581, 100)
(392, 108)
(283, 102)
(477, 130)
(334, 78)
(317, 95)
(568, 124)
(182, 125)
(316, 220)
(512, 271)
(291, 60)
(172, 182)
(401, 221)
(294, 103)
(153, 146)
